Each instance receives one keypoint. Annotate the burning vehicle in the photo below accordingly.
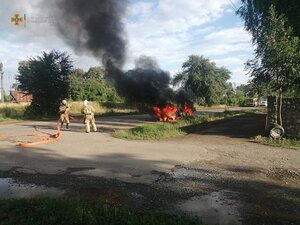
(172, 113)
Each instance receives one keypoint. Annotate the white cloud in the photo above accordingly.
(171, 16)
(175, 29)
(175, 48)
(231, 35)
(239, 75)
(140, 8)
(223, 49)
(230, 61)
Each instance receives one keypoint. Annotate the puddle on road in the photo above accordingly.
(9, 188)
(182, 172)
(215, 208)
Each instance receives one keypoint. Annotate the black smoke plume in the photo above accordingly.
(146, 83)
(93, 26)
(96, 26)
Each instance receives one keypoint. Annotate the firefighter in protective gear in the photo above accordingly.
(64, 110)
(89, 119)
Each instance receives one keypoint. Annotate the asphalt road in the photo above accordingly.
(99, 154)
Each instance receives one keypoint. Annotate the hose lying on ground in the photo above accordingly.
(50, 138)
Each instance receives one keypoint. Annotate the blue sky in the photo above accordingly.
(168, 30)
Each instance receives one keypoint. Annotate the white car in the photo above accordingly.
(263, 103)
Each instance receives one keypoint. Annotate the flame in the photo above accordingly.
(166, 113)
(187, 109)
(171, 113)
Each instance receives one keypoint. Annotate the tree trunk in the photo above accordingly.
(279, 106)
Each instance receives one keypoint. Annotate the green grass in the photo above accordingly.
(68, 212)
(163, 130)
(11, 111)
(283, 143)
(150, 132)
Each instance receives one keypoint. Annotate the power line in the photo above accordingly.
(233, 5)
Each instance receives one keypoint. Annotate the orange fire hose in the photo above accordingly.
(49, 139)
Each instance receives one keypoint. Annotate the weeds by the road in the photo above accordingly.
(67, 211)
(16, 111)
(103, 108)
(284, 143)
(162, 130)
(9, 111)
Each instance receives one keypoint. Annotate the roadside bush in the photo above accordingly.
(237, 99)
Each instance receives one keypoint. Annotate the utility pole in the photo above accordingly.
(2, 91)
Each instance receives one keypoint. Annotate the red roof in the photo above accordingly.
(19, 96)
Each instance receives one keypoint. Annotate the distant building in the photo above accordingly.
(20, 97)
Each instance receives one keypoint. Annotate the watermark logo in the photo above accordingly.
(16, 19)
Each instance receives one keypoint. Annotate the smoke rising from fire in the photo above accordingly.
(146, 83)
(96, 26)
(93, 26)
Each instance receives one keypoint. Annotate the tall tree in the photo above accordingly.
(255, 13)
(91, 85)
(76, 84)
(277, 56)
(204, 79)
(45, 77)
(255, 88)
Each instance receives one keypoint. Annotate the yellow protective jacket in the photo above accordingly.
(64, 113)
(64, 109)
(88, 112)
